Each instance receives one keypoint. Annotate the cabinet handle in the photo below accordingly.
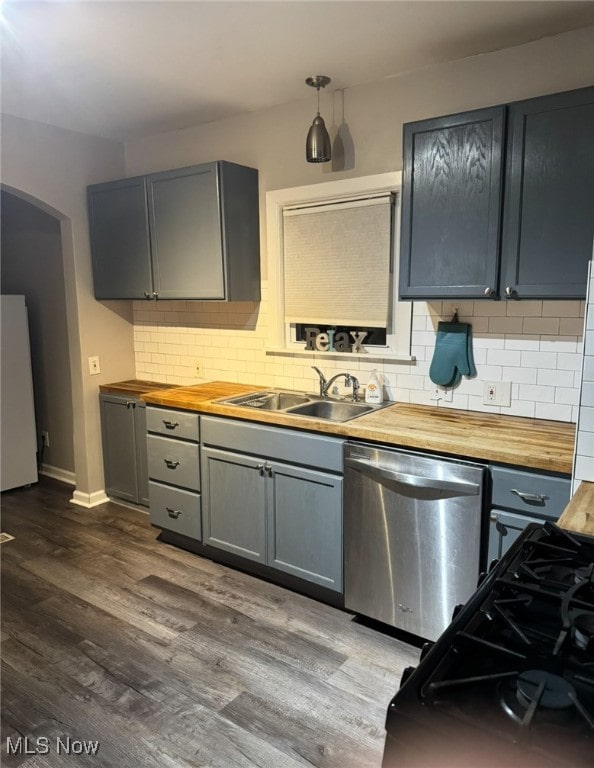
(174, 513)
(531, 498)
(509, 291)
(170, 424)
(488, 291)
(155, 295)
(130, 404)
(261, 469)
(269, 470)
(148, 295)
(171, 464)
(494, 517)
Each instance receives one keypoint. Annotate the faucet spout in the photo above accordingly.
(349, 380)
(323, 381)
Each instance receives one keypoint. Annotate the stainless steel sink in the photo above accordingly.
(332, 410)
(298, 404)
(268, 401)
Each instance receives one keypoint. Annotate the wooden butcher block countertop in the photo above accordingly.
(579, 513)
(531, 443)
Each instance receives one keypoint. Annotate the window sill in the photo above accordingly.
(371, 357)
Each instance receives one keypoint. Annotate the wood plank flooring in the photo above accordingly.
(169, 660)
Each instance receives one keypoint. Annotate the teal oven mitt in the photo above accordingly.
(452, 357)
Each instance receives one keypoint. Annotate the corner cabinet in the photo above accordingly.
(274, 496)
(497, 203)
(188, 233)
(123, 432)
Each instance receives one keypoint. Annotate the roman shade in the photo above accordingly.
(337, 262)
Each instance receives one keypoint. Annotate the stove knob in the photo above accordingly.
(406, 674)
(457, 610)
(425, 650)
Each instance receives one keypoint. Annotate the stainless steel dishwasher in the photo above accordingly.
(412, 536)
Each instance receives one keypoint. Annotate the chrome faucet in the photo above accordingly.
(349, 380)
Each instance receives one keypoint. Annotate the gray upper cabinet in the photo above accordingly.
(548, 221)
(120, 241)
(451, 205)
(189, 233)
(498, 202)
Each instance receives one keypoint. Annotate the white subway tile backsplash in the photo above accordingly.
(524, 308)
(570, 326)
(503, 325)
(535, 345)
(537, 394)
(588, 393)
(539, 360)
(555, 378)
(553, 411)
(541, 325)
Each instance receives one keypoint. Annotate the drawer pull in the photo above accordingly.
(171, 464)
(174, 513)
(530, 498)
(170, 424)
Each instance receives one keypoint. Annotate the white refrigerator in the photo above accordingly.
(18, 443)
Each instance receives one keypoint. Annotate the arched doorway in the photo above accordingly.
(32, 264)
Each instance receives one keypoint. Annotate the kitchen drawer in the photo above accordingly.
(174, 461)
(316, 451)
(165, 421)
(176, 510)
(529, 492)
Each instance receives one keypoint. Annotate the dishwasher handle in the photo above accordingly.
(416, 481)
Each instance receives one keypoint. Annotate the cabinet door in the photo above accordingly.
(186, 241)
(451, 205)
(141, 452)
(119, 447)
(549, 197)
(305, 524)
(234, 503)
(120, 243)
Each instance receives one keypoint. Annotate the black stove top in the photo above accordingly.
(511, 681)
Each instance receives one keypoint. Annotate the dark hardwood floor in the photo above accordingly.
(168, 659)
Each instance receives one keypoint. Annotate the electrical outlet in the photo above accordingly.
(198, 367)
(94, 368)
(45, 438)
(497, 393)
(441, 393)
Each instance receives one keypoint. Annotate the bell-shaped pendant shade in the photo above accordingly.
(317, 144)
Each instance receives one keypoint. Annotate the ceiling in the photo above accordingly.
(126, 69)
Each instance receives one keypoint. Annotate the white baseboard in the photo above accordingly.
(89, 500)
(57, 473)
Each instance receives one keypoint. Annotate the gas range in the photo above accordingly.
(511, 680)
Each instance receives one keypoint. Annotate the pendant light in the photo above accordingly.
(317, 144)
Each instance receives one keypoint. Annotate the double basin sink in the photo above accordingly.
(298, 404)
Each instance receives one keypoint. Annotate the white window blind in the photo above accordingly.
(337, 265)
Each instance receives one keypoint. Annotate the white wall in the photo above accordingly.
(51, 168)
(584, 449)
(535, 345)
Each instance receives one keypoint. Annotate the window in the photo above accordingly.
(333, 251)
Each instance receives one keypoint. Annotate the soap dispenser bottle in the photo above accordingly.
(373, 391)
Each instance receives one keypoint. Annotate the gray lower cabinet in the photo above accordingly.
(519, 498)
(266, 505)
(188, 233)
(468, 233)
(173, 461)
(123, 432)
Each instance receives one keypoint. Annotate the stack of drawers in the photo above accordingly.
(173, 443)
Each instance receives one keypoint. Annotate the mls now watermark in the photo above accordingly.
(42, 745)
